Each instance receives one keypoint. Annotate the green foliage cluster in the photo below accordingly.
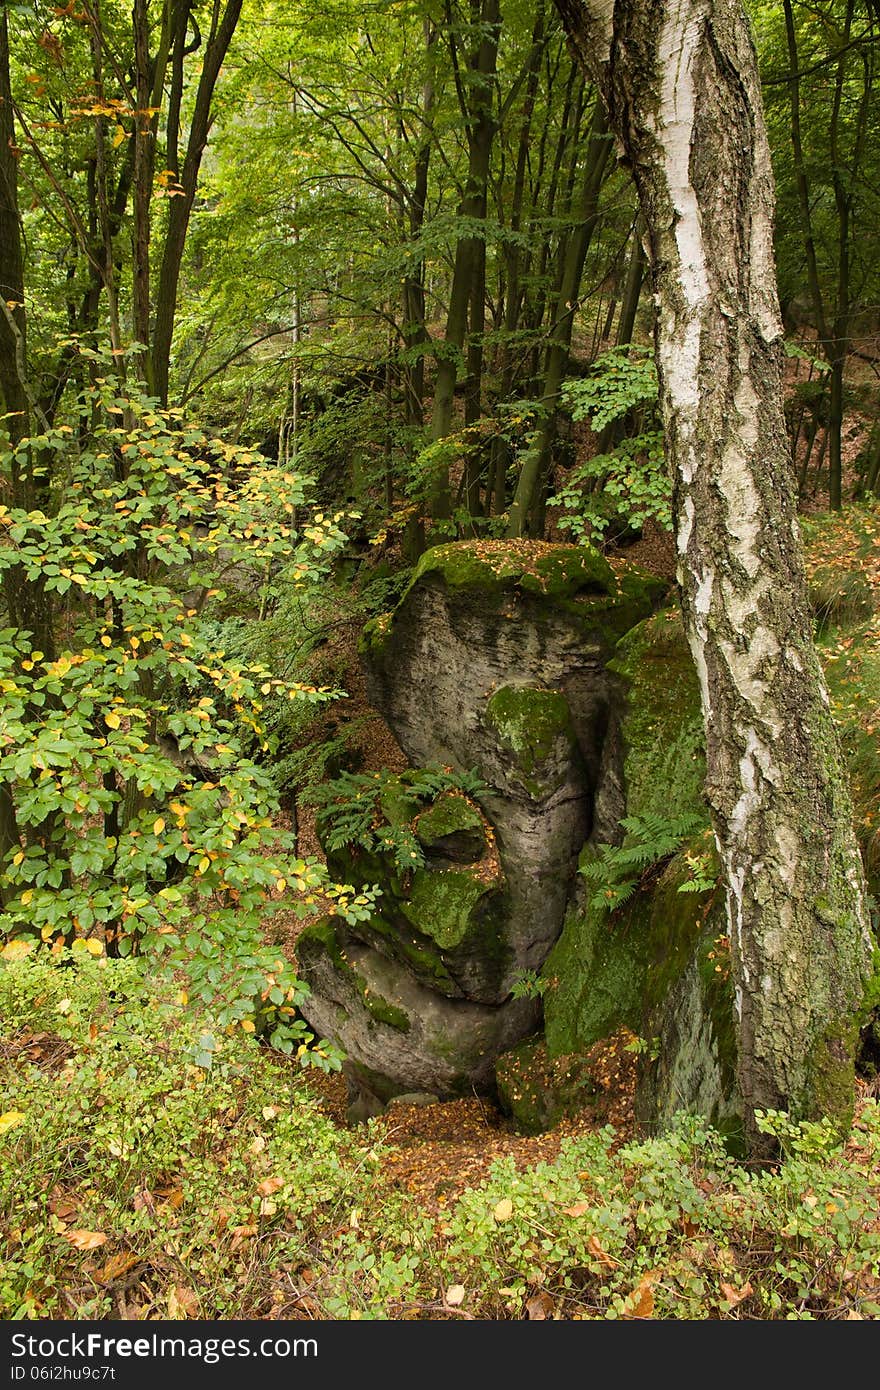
(375, 810)
(629, 482)
(119, 1186)
(131, 814)
(616, 871)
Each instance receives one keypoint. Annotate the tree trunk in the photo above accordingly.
(181, 205)
(470, 252)
(681, 82)
(536, 459)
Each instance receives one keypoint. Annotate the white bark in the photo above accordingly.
(681, 83)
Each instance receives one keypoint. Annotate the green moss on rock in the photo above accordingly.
(560, 571)
(442, 905)
(611, 970)
(452, 824)
(322, 938)
(665, 761)
(530, 723)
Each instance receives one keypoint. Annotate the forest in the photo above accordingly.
(439, 660)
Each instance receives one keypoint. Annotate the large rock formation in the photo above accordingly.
(496, 661)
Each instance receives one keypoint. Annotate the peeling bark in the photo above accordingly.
(680, 80)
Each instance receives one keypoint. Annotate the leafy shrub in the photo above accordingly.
(131, 814)
(630, 483)
(154, 1164)
(145, 1147)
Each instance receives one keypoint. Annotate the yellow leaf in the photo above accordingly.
(18, 949)
(106, 641)
(503, 1210)
(94, 947)
(112, 720)
(158, 825)
(204, 864)
(85, 1240)
(11, 1119)
(119, 136)
(247, 1025)
(63, 1006)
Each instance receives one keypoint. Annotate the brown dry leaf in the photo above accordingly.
(182, 1303)
(221, 1220)
(116, 1266)
(578, 1209)
(173, 1198)
(144, 1199)
(595, 1248)
(540, 1307)
(455, 1295)
(61, 1205)
(85, 1240)
(735, 1296)
(269, 1185)
(642, 1297)
(240, 1234)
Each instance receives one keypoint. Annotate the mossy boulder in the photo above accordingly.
(538, 1091)
(399, 1035)
(452, 829)
(494, 662)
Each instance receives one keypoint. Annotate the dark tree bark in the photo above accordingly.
(470, 252)
(180, 206)
(680, 79)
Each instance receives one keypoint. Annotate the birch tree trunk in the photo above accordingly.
(681, 83)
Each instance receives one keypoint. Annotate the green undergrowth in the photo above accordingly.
(124, 1193)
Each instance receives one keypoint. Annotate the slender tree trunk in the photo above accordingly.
(470, 252)
(181, 205)
(537, 455)
(682, 86)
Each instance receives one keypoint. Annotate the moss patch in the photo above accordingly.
(442, 905)
(529, 724)
(611, 970)
(452, 823)
(665, 761)
(560, 571)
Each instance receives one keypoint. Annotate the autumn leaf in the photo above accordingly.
(85, 1240)
(734, 1296)
(595, 1248)
(641, 1300)
(503, 1209)
(10, 1120)
(116, 1266)
(578, 1209)
(182, 1303)
(455, 1295)
(269, 1185)
(540, 1307)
